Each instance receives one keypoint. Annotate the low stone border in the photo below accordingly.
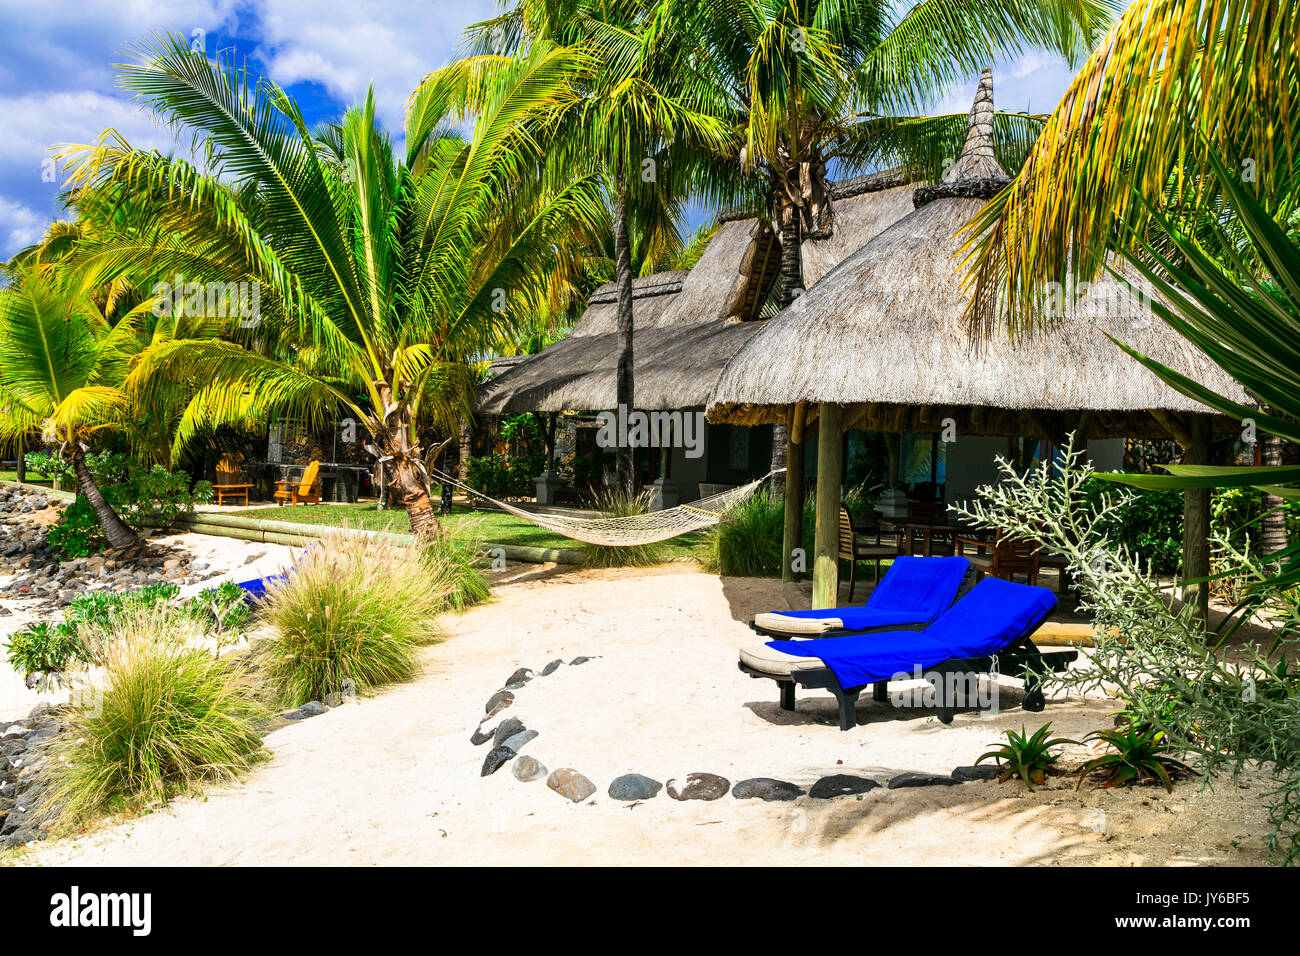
(510, 735)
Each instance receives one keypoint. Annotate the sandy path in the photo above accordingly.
(394, 780)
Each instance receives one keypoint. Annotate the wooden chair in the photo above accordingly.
(1008, 559)
(940, 543)
(228, 484)
(856, 546)
(301, 492)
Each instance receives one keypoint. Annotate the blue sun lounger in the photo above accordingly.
(256, 588)
(911, 595)
(989, 627)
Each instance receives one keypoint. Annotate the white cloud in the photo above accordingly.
(38, 121)
(346, 46)
(19, 226)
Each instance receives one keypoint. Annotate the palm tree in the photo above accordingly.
(643, 119)
(62, 368)
(380, 277)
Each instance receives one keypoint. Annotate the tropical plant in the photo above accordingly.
(1138, 754)
(748, 543)
(168, 717)
(618, 501)
(1175, 87)
(350, 615)
(62, 372)
(1027, 756)
(379, 277)
(45, 647)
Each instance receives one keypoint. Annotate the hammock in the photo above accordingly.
(630, 530)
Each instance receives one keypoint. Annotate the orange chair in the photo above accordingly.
(303, 492)
(228, 484)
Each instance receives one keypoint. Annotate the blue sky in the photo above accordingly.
(57, 85)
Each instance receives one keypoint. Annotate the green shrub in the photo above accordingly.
(351, 614)
(220, 612)
(169, 717)
(620, 503)
(45, 647)
(141, 497)
(458, 577)
(1137, 754)
(749, 544)
(504, 478)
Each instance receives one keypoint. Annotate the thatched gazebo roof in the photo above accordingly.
(687, 325)
(883, 332)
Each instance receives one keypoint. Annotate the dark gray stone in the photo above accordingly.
(507, 728)
(20, 838)
(983, 772)
(528, 769)
(568, 783)
(766, 788)
(496, 758)
(841, 785)
(313, 708)
(699, 786)
(480, 737)
(12, 747)
(551, 668)
(634, 786)
(521, 677)
(911, 779)
(499, 702)
(520, 740)
(579, 660)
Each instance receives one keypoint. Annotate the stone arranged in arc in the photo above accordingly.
(570, 784)
(699, 786)
(841, 785)
(634, 786)
(767, 789)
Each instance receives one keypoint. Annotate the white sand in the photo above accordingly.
(393, 779)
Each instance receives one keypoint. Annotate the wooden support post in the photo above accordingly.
(1196, 519)
(826, 547)
(792, 536)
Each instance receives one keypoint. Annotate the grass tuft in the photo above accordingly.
(621, 503)
(169, 717)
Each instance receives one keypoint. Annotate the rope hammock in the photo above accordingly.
(630, 530)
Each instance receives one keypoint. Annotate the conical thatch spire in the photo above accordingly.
(977, 172)
(977, 160)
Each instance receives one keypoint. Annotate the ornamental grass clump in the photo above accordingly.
(749, 543)
(352, 611)
(163, 717)
(618, 502)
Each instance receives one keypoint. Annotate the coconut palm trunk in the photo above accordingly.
(115, 529)
(1273, 526)
(624, 387)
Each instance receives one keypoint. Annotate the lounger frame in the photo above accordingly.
(1019, 659)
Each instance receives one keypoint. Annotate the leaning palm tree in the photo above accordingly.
(62, 371)
(380, 276)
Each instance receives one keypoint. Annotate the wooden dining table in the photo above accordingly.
(928, 530)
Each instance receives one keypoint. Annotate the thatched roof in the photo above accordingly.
(688, 325)
(884, 332)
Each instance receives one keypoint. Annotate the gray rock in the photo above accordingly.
(19, 838)
(521, 677)
(840, 785)
(519, 740)
(551, 668)
(579, 660)
(12, 747)
(983, 772)
(634, 786)
(507, 728)
(699, 786)
(570, 784)
(766, 788)
(496, 758)
(313, 708)
(480, 737)
(334, 699)
(499, 702)
(911, 779)
(527, 769)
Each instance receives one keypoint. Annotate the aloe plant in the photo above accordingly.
(1026, 756)
(1138, 754)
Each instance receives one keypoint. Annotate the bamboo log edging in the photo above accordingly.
(270, 531)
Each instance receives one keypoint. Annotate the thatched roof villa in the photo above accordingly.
(688, 326)
(880, 342)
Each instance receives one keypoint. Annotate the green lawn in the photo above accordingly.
(494, 527)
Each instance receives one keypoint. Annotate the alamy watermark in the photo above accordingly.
(213, 300)
(638, 429)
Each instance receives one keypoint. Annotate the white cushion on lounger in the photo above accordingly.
(769, 661)
(776, 621)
